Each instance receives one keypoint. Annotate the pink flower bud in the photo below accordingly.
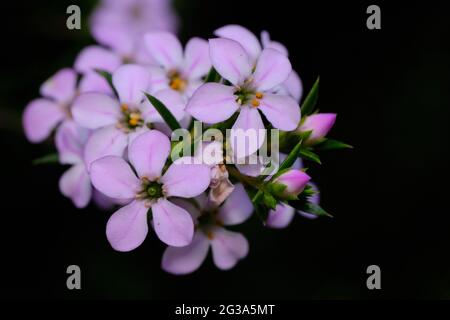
(320, 124)
(294, 180)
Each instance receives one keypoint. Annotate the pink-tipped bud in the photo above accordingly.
(294, 180)
(320, 124)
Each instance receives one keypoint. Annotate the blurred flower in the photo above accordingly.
(113, 176)
(118, 122)
(90, 59)
(120, 24)
(75, 183)
(43, 115)
(320, 124)
(228, 247)
(175, 70)
(292, 85)
(249, 92)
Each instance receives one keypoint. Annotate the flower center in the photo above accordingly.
(176, 81)
(150, 191)
(132, 118)
(154, 190)
(246, 96)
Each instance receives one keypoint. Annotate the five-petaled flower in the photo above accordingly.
(249, 93)
(181, 72)
(228, 247)
(113, 176)
(292, 85)
(119, 121)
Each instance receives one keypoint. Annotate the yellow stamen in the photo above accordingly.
(124, 107)
(178, 84)
(255, 103)
(259, 95)
(210, 235)
(133, 122)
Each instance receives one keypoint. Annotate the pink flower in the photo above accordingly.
(250, 92)
(91, 58)
(120, 24)
(75, 182)
(292, 85)
(228, 247)
(176, 70)
(294, 181)
(118, 122)
(113, 176)
(42, 115)
(320, 124)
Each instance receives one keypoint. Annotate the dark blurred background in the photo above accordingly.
(388, 195)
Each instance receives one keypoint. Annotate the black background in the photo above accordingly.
(390, 90)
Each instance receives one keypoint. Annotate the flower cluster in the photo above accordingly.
(115, 111)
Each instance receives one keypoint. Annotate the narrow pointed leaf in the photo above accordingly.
(330, 144)
(164, 112)
(316, 210)
(108, 78)
(291, 157)
(47, 159)
(309, 155)
(309, 207)
(213, 76)
(311, 99)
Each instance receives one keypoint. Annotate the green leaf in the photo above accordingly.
(309, 155)
(330, 144)
(108, 78)
(47, 159)
(311, 99)
(213, 76)
(291, 158)
(309, 207)
(164, 112)
(316, 210)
